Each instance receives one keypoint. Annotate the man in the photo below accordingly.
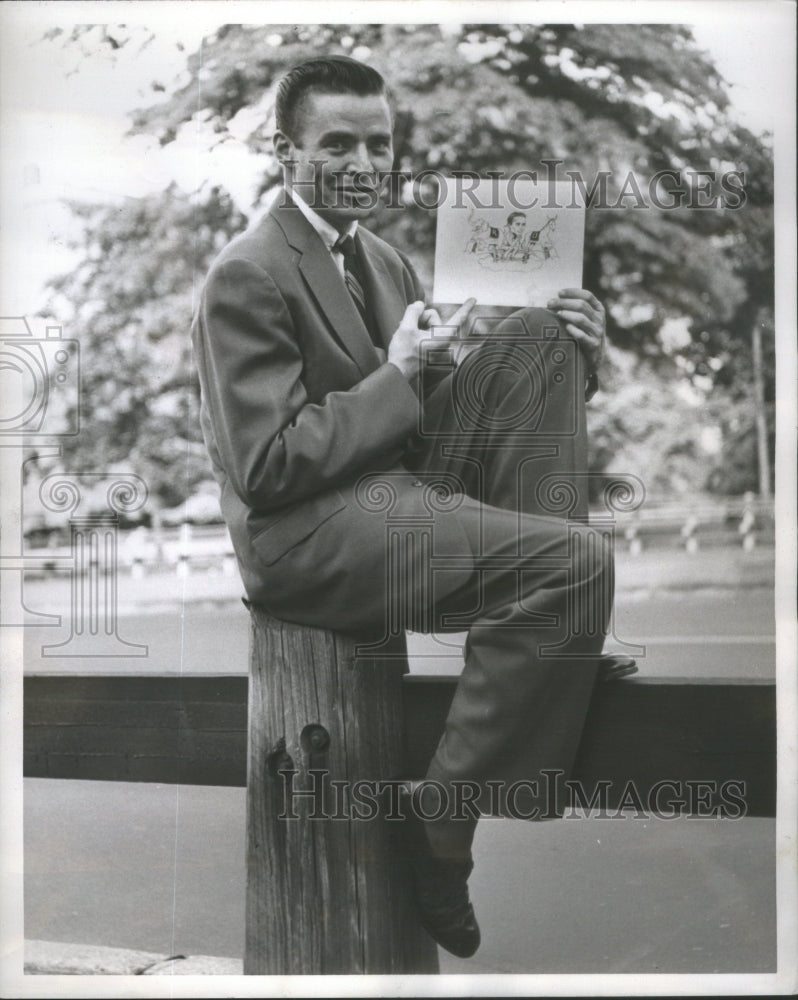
(514, 243)
(308, 341)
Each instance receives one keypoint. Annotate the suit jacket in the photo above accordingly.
(297, 406)
(296, 400)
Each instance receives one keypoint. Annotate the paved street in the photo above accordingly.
(709, 633)
(161, 868)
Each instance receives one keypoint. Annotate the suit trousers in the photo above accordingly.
(507, 430)
(481, 527)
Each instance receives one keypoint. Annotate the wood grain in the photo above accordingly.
(192, 729)
(325, 895)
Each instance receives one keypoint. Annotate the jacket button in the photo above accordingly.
(417, 482)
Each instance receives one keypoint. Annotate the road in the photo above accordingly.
(161, 868)
(706, 634)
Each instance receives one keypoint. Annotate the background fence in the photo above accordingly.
(689, 526)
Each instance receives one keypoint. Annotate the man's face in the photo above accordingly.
(343, 142)
(518, 225)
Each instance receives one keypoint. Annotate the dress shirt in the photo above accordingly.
(329, 235)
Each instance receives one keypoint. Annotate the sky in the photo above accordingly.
(64, 129)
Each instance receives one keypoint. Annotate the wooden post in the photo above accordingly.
(325, 895)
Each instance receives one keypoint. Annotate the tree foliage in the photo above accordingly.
(628, 100)
(130, 302)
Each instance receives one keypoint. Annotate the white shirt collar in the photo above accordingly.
(329, 234)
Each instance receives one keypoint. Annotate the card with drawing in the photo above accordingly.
(508, 243)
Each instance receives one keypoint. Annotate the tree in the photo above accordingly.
(130, 302)
(626, 99)
(615, 103)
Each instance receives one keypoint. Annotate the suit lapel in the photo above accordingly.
(324, 281)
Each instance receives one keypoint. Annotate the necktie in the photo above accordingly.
(345, 245)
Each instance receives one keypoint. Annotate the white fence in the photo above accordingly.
(744, 522)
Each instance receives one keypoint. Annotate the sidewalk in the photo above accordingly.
(55, 958)
(653, 571)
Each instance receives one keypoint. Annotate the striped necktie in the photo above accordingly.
(345, 245)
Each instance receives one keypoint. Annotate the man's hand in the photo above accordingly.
(584, 319)
(404, 351)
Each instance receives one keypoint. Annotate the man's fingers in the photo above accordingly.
(581, 335)
(430, 318)
(583, 321)
(585, 337)
(580, 293)
(460, 314)
(414, 311)
(575, 305)
(590, 346)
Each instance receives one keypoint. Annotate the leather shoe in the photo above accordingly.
(614, 666)
(439, 888)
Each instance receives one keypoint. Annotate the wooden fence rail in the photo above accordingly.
(192, 729)
(326, 892)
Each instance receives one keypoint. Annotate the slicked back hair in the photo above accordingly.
(324, 75)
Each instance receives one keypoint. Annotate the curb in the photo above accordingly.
(54, 958)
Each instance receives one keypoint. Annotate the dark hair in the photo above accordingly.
(515, 215)
(327, 75)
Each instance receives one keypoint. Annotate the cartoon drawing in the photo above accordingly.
(508, 246)
(511, 245)
(514, 241)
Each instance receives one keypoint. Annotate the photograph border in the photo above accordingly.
(785, 980)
